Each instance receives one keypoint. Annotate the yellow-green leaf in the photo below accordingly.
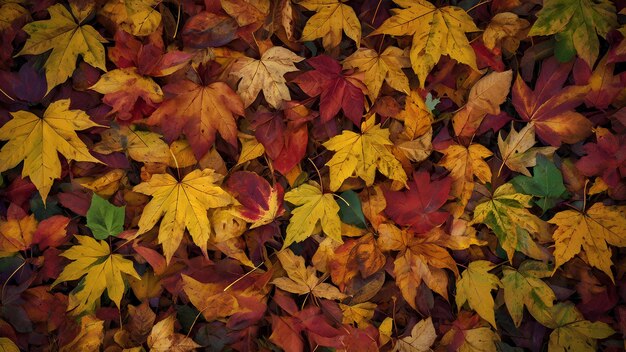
(475, 287)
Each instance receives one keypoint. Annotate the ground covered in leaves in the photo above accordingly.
(313, 175)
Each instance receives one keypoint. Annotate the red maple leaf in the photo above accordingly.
(336, 90)
(419, 206)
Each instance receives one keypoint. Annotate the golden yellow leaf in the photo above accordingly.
(137, 17)
(210, 298)
(314, 210)
(332, 18)
(591, 231)
(381, 67)
(99, 269)
(182, 205)
(435, 31)
(359, 314)
(363, 154)
(416, 116)
(163, 338)
(67, 39)
(572, 332)
(479, 339)
(265, 74)
(524, 287)
(38, 140)
(464, 163)
(475, 287)
(251, 148)
(302, 279)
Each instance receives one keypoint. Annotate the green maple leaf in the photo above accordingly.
(546, 184)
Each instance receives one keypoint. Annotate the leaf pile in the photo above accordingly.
(313, 175)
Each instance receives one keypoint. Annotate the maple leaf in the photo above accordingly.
(359, 313)
(137, 17)
(336, 90)
(604, 158)
(475, 287)
(422, 258)
(67, 39)
(416, 115)
(604, 86)
(464, 163)
(246, 12)
(517, 149)
(99, 269)
(435, 31)
(468, 334)
(163, 338)
(546, 183)
(265, 74)
(37, 141)
(332, 18)
(261, 203)
(524, 287)
(422, 337)
(550, 107)
(16, 234)
(484, 98)
(303, 280)
(200, 112)
(124, 88)
(314, 210)
(362, 154)
(148, 57)
(142, 146)
(589, 231)
(419, 206)
(506, 214)
(182, 205)
(576, 26)
(572, 332)
(379, 68)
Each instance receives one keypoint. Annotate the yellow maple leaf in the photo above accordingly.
(67, 39)
(475, 287)
(359, 313)
(182, 205)
(332, 17)
(16, 234)
(363, 154)
(137, 17)
(524, 287)
(163, 338)
(381, 67)
(37, 141)
(464, 163)
(102, 270)
(590, 232)
(265, 74)
(435, 31)
(422, 337)
(572, 332)
(302, 279)
(314, 210)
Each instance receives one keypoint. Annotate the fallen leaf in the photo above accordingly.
(361, 155)
(331, 19)
(314, 210)
(475, 288)
(99, 269)
(379, 68)
(37, 141)
(182, 205)
(435, 31)
(163, 338)
(265, 74)
(517, 150)
(67, 39)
